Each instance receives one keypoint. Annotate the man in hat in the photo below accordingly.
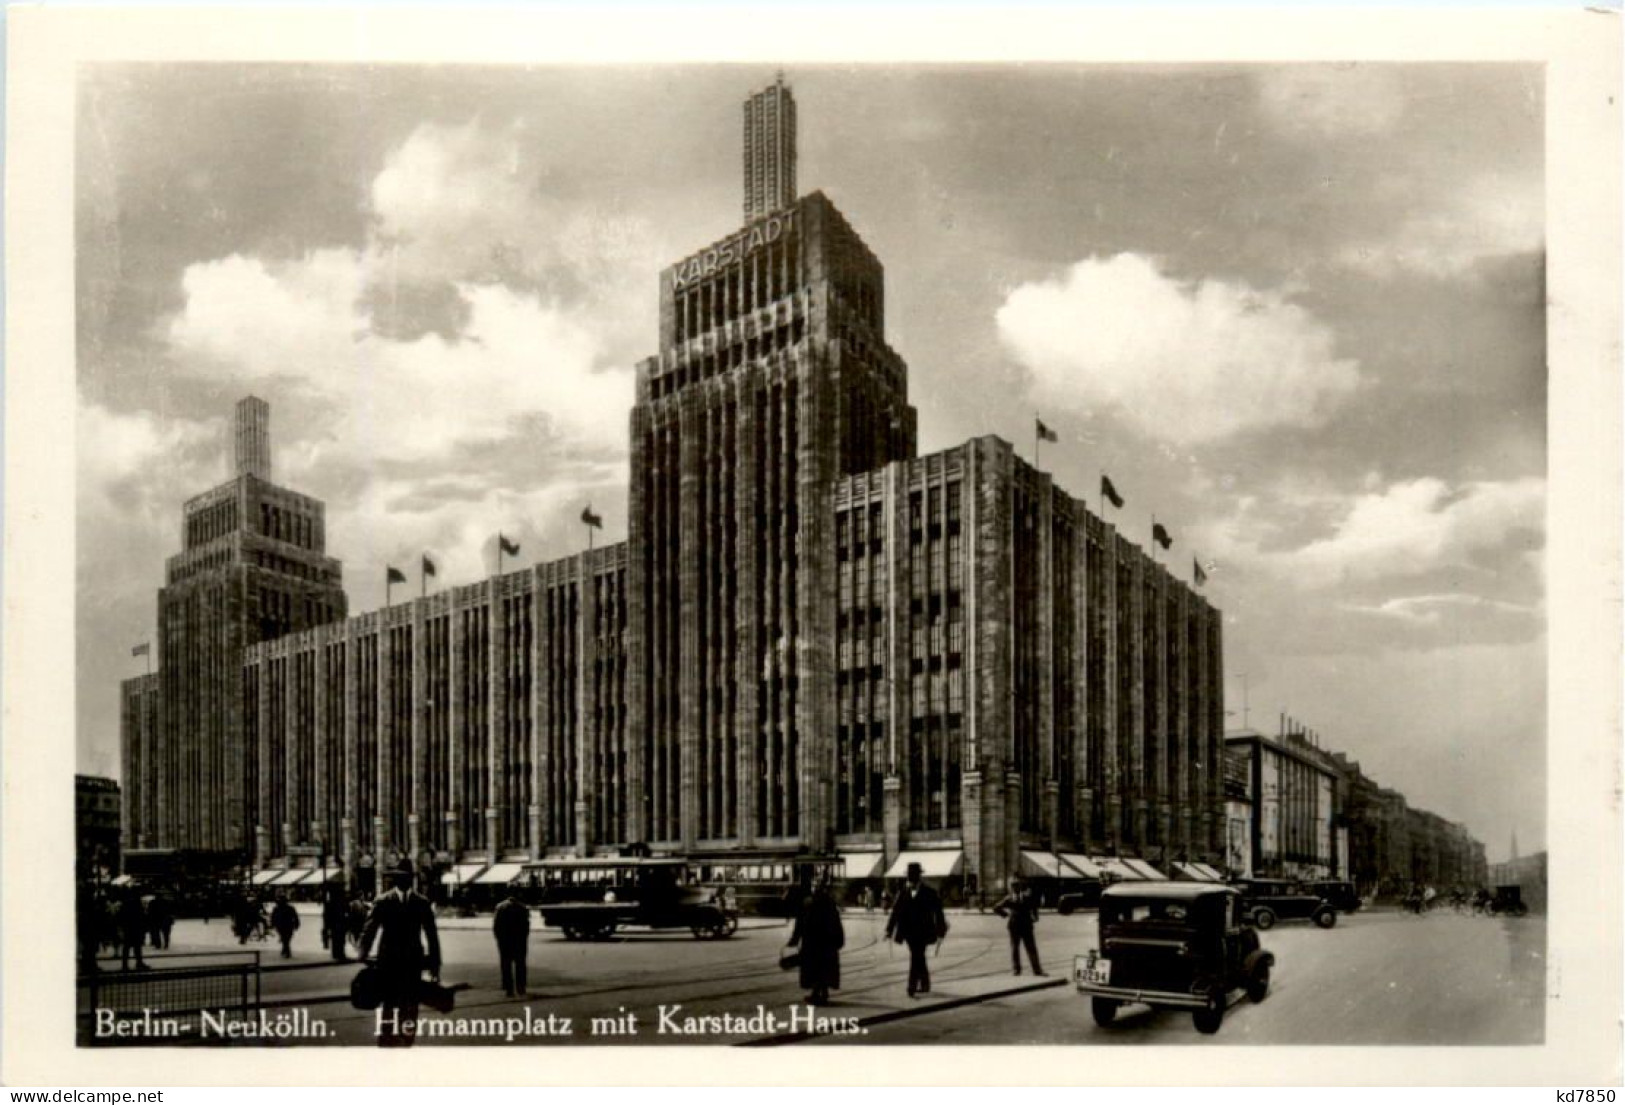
(402, 922)
(918, 921)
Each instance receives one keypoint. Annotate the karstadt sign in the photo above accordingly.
(709, 262)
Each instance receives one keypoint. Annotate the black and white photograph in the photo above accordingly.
(782, 553)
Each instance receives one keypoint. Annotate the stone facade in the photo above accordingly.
(812, 640)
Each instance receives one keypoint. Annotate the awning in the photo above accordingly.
(933, 865)
(123, 880)
(501, 873)
(1081, 865)
(1192, 872)
(462, 874)
(863, 865)
(1146, 870)
(1040, 865)
(262, 877)
(290, 876)
(1119, 869)
(319, 875)
(1210, 871)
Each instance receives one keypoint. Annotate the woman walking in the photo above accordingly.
(820, 936)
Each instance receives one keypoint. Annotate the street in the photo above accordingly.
(1377, 978)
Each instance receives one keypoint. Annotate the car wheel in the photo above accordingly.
(1065, 908)
(1326, 918)
(1263, 919)
(1208, 1020)
(571, 932)
(1258, 986)
(1104, 1010)
(604, 932)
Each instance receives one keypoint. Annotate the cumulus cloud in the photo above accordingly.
(1405, 529)
(1316, 101)
(303, 325)
(1182, 361)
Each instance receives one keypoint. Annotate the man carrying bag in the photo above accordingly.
(402, 921)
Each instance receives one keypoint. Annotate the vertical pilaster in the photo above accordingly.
(267, 816)
(747, 610)
(382, 838)
(418, 737)
(350, 820)
(536, 836)
(320, 742)
(496, 744)
(586, 737)
(692, 468)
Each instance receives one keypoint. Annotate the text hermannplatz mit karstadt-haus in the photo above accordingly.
(813, 642)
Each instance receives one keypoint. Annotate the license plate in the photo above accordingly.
(1091, 969)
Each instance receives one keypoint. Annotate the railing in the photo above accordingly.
(167, 1002)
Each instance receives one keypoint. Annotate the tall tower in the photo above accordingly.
(770, 151)
(773, 380)
(253, 566)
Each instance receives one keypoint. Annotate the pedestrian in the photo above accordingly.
(820, 936)
(402, 921)
(132, 930)
(1020, 906)
(285, 919)
(160, 921)
(511, 927)
(336, 918)
(918, 921)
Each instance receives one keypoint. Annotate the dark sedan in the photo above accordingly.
(1272, 900)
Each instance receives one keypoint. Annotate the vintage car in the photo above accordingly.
(1508, 900)
(1272, 900)
(594, 898)
(1174, 945)
(1341, 896)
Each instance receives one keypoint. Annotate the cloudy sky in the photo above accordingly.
(1294, 311)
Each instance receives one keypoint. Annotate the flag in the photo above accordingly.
(1045, 433)
(1160, 535)
(592, 519)
(394, 575)
(1110, 492)
(142, 649)
(1197, 573)
(428, 565)
(509, 548)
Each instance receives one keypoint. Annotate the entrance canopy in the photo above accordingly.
(863, 865)
(933, 865)
(1119, 869)
(1210, 871)
(1041, 865)
(462, 873)
(1080, 865)
(500, 874)
(1193, 872)
(1146, 870)
(290, 876)
(262, 877)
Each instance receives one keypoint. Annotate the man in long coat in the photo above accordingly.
(336, 918)
(820, 936)
(402, 921)
(511, 926)
(918, 921)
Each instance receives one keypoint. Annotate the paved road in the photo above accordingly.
(1377, 978)
(1384, 978)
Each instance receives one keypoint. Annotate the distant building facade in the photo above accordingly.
(96, 824)
(813, 641)
(1289, 795)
